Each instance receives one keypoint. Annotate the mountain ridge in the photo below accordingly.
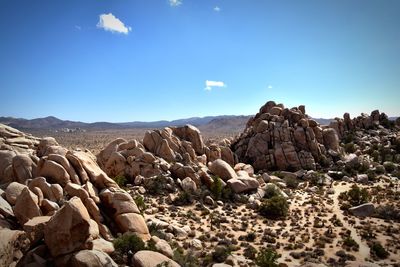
(227, 122)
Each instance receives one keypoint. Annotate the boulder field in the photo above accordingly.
(64, 208)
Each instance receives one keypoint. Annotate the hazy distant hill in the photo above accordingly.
(53, 123)
(224, 123)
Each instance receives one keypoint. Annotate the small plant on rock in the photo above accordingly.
(121, 180)
(139, 200)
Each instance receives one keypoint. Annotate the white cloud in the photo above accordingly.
(211, 84)
(175, 2)
(78, 27)
(269, 86)
(217, 9)
(110, 23)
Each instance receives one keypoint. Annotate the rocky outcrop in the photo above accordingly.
(56, 195)
(285, 139)
(147, 258)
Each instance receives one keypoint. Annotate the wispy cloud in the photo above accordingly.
(269, 86)
(78, 27)
(111, 23)
(211, 84)
(175, 2)
(217, 9)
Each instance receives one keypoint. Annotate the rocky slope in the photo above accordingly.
(283, 186)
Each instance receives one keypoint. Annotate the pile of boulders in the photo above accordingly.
(58, 207)
(374, 121)
(278, 138)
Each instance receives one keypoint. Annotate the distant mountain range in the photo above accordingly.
(53, 123)
(224, 123)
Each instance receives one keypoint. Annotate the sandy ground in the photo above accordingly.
(305, 229)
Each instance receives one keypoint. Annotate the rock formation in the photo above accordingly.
(278, 138)
(55, 195)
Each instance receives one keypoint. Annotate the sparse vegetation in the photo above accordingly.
(377, 250)
(275, 207)
(267, 257)
(127, 245)
(121, 180)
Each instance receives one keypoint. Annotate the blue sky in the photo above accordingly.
(126, 60)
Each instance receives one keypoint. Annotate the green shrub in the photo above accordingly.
(250, 252)
(350, 243)
(357, 196)
(121, 180)
(216, 187)
(291, 182)
(220, 254)
(185, 259)
(389, 166)
(275, 207)
(184, 198)
(250, 237)
(156, 186)
(128, 242)
(350, 148)
(139, 200)
(388, 212)
(379, 251)
(272, 191)
(267, 257)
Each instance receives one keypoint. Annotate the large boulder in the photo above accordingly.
(191, 134)
(147, 258)
(54, 171)
(222, 169)
(13, 244)
(13, 191)
(243, 184)
(6, 170)
(5, 208)
(24, 167)
(133, 222)
(363, 210)
(91, 258)
(69, 229)
(97, 176)
(26, 206)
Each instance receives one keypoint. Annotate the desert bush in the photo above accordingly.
(271, 191)
(378, 250)
(216, 187)
(250, 252)
(220, 254)
(348, 138)
(121, 180)
(291, 182)
(185, 259)
(128, 242)
(356, 196)
(139, 200)
(156, 186)
(388, 212)
(184, 198)
(250, 237)
(350, 147)
(389, 166)
(350, 243)
(275, 207)
(267, 257)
